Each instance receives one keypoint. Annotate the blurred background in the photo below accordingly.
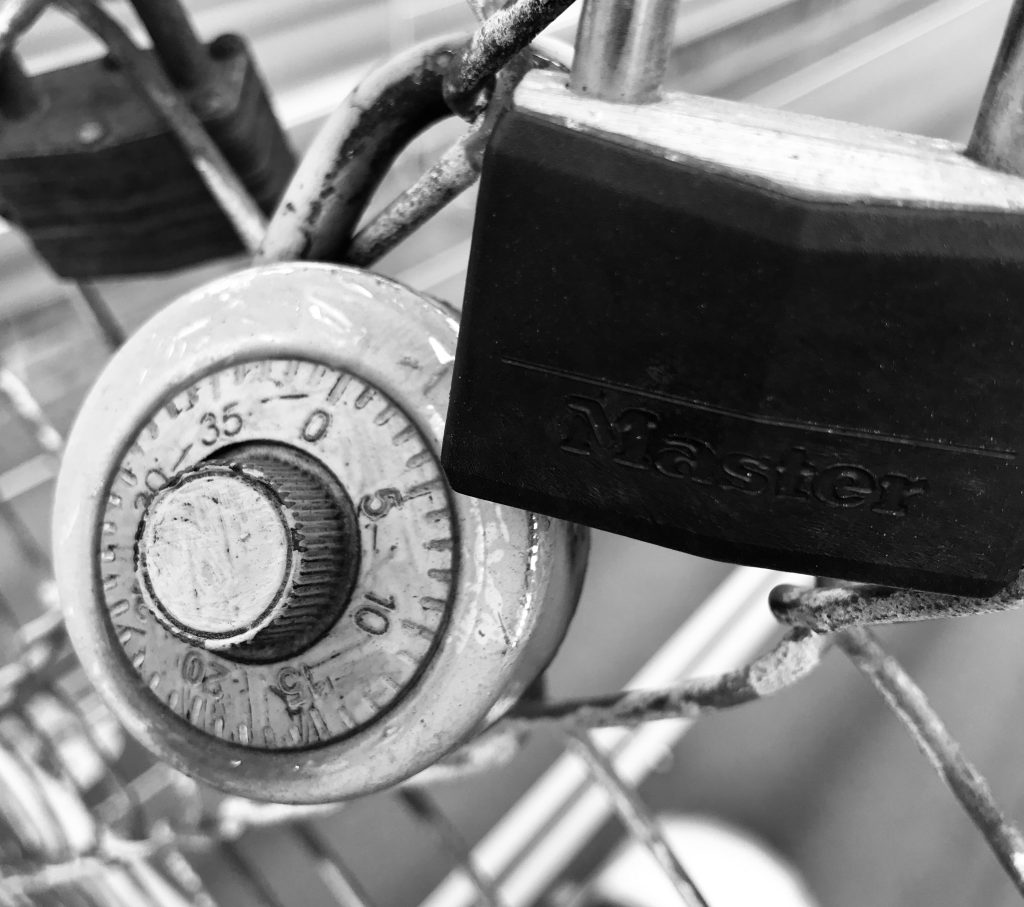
(823, 775)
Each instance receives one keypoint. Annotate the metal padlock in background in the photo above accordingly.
(94, 176)
(747, 334)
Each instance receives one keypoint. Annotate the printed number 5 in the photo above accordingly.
(229, 424)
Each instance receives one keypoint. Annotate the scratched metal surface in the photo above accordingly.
(823, 772)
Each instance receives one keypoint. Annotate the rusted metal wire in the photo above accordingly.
(909, 703)
(635, 816)
(457, 169)
(793, 658)
(424, 808)
(216, 173)
(824, 609)
(454, 172)
(499, 38)
(252, 874)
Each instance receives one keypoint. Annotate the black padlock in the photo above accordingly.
(99, 183)
(746, 334)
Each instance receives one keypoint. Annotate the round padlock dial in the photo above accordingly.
(262, 567)
(206, 606)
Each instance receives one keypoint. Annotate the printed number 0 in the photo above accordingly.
(229, 424)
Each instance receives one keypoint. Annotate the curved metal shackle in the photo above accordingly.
(354, 150)
(358, 144)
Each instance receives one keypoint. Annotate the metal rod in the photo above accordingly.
(29, 410)
(344, 886)
(498, 39)
(998, 137)
(635, 816)
(34, 553)
(909, 703)
(99, 312)
(252, 874)
(184, 57)
(216, 173)
(424, 808)
(622, 49)
(456, 170)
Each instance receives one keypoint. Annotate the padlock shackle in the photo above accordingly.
(18, 96)
(183, 56)
(998, 137)
(355, 149)
(622, 49)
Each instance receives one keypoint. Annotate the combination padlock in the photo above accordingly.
(743, 333)
(97, 181)
(262, 566)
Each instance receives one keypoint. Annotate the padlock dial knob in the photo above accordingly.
(249, 558)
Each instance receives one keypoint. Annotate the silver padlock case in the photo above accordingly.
(190, 561)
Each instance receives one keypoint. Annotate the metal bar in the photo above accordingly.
(216, 173)
(99, 312)
(36, 555)
(184, 57)
(494, 43)
(827, 609)
(424, 807)
(28, 409)
(635, 816)
(998, 137)
(622, 49)
(132, 806)
(249, 871)
(344, 886)
(455, 172)
(911, 706)
(792, 659)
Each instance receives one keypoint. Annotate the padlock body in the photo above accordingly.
(101, 186)
(754, 349)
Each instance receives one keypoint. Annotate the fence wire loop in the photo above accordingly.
(498, 39)
(792, 659)
(828, 608)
